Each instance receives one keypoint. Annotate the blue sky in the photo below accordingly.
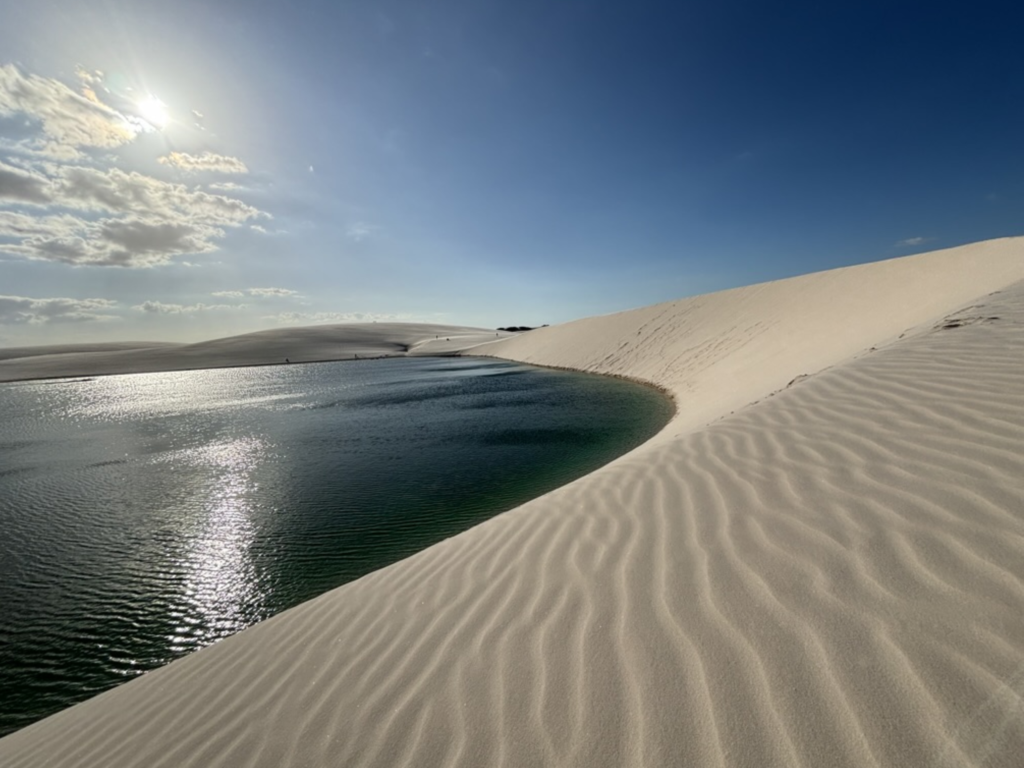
(188, 170)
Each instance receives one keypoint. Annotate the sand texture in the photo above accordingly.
(318, 343)
(830, 576)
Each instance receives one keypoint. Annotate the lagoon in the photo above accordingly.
(146, 516)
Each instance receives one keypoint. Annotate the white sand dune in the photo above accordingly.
(298, 345)
(10, 353)
(831, 576)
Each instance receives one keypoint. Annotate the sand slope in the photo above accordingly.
(299, 345)
(10, 353)
(833, 576)
(722, 351)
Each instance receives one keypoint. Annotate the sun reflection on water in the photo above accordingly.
(222, 590)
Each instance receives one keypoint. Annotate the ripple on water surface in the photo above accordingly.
(147, 516)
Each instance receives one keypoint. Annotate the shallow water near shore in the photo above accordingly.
(146, 516)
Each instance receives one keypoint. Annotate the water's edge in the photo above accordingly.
(497, 506)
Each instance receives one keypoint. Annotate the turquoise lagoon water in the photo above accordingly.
(143, 517)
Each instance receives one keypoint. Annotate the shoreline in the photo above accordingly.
(505, 453)
(301, 344)
(827, 573)
(89, 377)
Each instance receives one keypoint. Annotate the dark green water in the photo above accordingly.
(143, 517)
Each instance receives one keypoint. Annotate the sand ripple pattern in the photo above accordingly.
(831, 577)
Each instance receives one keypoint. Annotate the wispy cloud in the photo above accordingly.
(359, 230)
(160, 308)
(306, 318)
(66, 118)
(21, 186)
(912, 242)
(258, 292)
(272, 292)
(17, 310)
(207, 161)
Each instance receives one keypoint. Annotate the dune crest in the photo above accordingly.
(832, 575)
(720, 352)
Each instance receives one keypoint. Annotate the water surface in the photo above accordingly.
(146, 516)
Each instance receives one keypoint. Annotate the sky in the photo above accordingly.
(189, 170)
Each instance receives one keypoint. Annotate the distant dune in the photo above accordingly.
(297, 345)
(818, 562)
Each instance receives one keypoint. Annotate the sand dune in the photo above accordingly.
(830, 576)
(10, 353)
(298, 345)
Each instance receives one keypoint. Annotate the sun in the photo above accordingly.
(153, 111)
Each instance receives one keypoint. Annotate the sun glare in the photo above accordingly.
(153, 111)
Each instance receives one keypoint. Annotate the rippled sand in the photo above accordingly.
(832, 575)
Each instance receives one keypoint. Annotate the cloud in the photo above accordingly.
(18, 310)
(272, 292)
(262, 293)
(910, 242)
(116, 191)
(159, 308)
(359, 230)
(149, 221)
(92, 214)
(22, 226)
(21, 186)
(208, 161)
(131, 242)
(137, 242)
(38, 148)
(292, 318)
(65, 117)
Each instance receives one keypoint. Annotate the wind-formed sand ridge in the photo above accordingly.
(832, 575)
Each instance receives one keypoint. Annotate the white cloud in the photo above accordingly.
(910, 242)
(94, 215)
(39, 149)
(262, 293)
(17, 310)
(359, 230)
(208, 161)
(138, 242)
(272, 292)
(160, 308)
(22, 226)
(65, 117)
(152, 221)
(21, 186)
(120, 192)
(128, 242)
(292, 318)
